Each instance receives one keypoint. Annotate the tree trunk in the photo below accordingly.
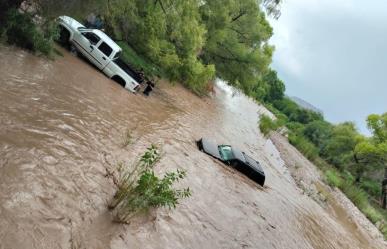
(384, 190)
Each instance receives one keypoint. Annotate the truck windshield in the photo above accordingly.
(117, 55)
(226, 152)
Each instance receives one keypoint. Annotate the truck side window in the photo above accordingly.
(93, 38)
(105, 49)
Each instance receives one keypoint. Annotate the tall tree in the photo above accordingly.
(169, 33)
(372, 152)
(318, 132)
(237, 41)
(339, 149)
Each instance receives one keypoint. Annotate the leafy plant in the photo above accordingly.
(21, 30)
(141, 189)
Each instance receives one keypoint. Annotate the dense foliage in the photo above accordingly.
(190, 41)
(193, 41)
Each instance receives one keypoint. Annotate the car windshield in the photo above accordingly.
(226, 152)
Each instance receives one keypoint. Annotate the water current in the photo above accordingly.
(62, 128)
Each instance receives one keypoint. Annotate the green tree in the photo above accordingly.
(169, 33)
(339, 148)
(371, 153)
(318, 132)
(275, 87)
(237, 41)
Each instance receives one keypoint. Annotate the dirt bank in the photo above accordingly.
(308, 177)
(62, 128)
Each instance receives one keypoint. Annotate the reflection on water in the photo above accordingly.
(62, 126)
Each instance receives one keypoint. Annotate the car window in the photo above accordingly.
(226, 152)
(93, 38)
(105, 49)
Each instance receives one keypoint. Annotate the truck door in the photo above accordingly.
(102, 54)
(86, 43)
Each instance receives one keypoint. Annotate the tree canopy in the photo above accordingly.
(193, 41)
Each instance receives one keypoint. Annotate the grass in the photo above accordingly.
(140, 189)
(372, 187)
(127, 139)
(333, 179)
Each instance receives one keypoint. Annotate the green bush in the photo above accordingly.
(266, 124)
(304, 146)
(20, 30)
(140, 189)
(333, 178)
(372, 187)
(355, 194)
(372, 214)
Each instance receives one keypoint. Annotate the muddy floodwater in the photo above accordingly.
(62, 129)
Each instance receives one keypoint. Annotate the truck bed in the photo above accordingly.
(128, 70)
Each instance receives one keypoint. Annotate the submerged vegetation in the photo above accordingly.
(140, 189)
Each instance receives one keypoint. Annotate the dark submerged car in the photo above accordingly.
(235, 158)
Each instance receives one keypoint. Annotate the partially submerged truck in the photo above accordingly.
(99, 49)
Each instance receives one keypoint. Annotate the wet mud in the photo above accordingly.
(62, 130)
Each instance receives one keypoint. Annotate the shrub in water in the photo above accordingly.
(140, 189)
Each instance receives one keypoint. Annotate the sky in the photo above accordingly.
(333, 54)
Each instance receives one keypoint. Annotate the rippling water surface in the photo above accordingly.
(62, 126)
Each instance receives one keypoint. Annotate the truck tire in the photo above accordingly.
(64, 36)
(73, 50)
(119, 80)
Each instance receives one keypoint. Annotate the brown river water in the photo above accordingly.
(62, 126)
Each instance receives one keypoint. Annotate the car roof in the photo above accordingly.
(242, 156)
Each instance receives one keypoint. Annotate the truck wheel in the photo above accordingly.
(73, 50)
(64, 36)
(119, 80)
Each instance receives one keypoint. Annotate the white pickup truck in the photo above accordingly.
(99, 49)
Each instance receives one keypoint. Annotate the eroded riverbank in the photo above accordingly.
(62, 129)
